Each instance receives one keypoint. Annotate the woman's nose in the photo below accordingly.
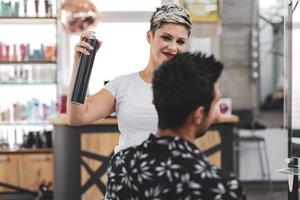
(172, 46)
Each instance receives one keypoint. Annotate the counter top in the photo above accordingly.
(62, 120)
(24, 151)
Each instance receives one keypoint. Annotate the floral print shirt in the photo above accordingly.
(168, 168)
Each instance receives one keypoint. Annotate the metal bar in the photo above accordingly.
(18, 189)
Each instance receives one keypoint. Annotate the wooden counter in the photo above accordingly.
(82, 154)
(61, 120)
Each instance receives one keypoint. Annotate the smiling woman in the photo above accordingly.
(130, 96)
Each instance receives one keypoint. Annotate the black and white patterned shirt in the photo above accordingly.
(168, 168)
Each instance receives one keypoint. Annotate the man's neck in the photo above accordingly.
(185, 133)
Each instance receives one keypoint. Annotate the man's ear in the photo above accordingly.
(199, 115)
(149, 36)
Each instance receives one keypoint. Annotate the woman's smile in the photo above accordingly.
(168, 55)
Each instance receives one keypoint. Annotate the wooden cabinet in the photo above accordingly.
(9, 171)
(25, 170)
(101, 145)
(35, 169)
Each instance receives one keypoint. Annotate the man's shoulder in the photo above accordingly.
(124, 153)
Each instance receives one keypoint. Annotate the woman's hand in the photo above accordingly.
(84, 47)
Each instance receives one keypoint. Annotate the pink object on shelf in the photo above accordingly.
(6, 58)
(14, 58)
(23, 52)
(1, 52)
(63, 104)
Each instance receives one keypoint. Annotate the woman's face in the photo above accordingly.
(167, 41)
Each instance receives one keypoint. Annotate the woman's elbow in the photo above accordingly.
(71, 121)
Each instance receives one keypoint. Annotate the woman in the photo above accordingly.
(130, 96)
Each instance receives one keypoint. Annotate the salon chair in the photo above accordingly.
(258, 143)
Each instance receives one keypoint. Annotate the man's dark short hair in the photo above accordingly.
(182, 84)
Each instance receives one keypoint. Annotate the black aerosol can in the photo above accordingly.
(83, 73)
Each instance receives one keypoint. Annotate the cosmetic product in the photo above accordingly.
(7, 52)
(23, 52)
(16, 9)
(46, 2)
(49, 9)
(83, 72)
(63, 104)
(25, 7)
(1, 14)
(14, 57)
(1, 52)
(38, 140)
(42, 52)
(28, 55)
(36, 5)
(48, 138)
(6, 9)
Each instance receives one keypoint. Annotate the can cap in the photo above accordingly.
(93, 34)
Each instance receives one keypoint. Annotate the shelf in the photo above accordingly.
(29, 83)
(37, 67)
(25, 123)
(291, 171)
(28, 20)
(35, 62)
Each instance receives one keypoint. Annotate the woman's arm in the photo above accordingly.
(97, 106)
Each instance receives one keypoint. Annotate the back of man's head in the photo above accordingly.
(181, 85)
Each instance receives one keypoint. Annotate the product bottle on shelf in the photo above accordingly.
(25, 8)
(36, 6)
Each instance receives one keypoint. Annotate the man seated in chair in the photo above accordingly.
(168, 165)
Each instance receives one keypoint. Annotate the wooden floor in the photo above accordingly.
(261, 191)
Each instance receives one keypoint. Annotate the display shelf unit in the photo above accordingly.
(38, 65)
(27, 123)
(25, 80)
(13, 83)
(27, 20)
(31, 62)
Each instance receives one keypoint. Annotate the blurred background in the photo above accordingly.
(37, 39)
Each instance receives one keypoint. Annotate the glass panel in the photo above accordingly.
(295, 81)
(287, 75)
(296, 71)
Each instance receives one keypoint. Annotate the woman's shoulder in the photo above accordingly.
(126, 77)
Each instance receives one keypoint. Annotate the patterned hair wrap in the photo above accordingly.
(170, 13)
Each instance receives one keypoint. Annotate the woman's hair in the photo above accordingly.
(170, 13)
(182, 84)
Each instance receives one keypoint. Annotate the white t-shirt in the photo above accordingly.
(136, 114)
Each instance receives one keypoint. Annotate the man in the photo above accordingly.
(168, 165)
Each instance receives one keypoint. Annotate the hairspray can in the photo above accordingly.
(83, 73)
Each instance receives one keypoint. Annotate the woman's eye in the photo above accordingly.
(165, 38)
(181, 42)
